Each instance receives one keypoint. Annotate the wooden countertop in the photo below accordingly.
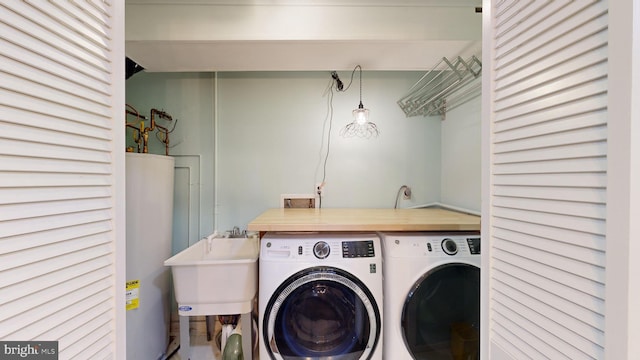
(430, 219)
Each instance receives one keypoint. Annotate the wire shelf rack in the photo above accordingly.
(449, 84)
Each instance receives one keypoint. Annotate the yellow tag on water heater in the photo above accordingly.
(133, 294)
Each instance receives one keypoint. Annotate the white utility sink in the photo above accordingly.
(216, 276)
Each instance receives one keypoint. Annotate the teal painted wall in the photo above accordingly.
(188, 98)
(271, 132)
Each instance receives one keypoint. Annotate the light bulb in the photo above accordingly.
(361, 115)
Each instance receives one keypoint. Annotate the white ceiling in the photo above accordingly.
(270, 35)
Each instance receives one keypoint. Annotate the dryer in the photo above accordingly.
(432, 295)
(320, 296)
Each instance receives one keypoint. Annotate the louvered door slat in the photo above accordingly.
(54, 151)
(91, 305)
(66, 275)
(561, 141)
(24, 211)
(96, 23)
(49, 80)
(39, 63)
(47, 49)
(60, 122)
(576, 338)
(586, 323)
(20, 99)
(545, 285)
(528, 331)
(88, 311)
(578, 238)
(67, 142)
(578, 209)
(582, 320)
(545, 84)
(553, 166)
(53, 95)
(554, 99)
(514, 342)
(593, 149)
(559, 262)
(53, 179)
(542, 333)
(92, 40)
(85, 126)
(522, 19)
(588, 195)
(591, 180)
(36, 314)
(45, 28)
(548, 179)
(41, 194)
(547, 126)
(553, 33)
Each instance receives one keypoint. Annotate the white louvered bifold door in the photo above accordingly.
(547, 175)
(59, 127)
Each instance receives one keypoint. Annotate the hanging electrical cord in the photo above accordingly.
(340, 86)
(327, 120)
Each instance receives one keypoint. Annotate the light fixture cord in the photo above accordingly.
(344, 89)
(328, 119)
(360, 72)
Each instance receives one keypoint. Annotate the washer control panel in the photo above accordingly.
(357, 249)
(321, 249)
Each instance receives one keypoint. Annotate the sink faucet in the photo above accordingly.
(235, 231)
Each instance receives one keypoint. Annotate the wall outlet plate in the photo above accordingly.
(319, 190)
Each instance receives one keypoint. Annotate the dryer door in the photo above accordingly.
(321, 313)
(441, 314)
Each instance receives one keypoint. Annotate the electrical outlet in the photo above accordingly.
(407, 193)
(319, 190)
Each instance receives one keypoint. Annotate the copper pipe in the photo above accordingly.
(166, 138)
(143, 132)
(137, 138)
(165, 116)
(161, 114)
(135, 113)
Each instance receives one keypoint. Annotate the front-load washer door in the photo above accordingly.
(441, 314)
(321, 313)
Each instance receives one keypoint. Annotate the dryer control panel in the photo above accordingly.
(443, 245)
(451, 245)
(474, 245)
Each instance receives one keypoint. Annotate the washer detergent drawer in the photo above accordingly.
(321, 313)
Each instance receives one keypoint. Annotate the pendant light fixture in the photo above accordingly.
(360, 126)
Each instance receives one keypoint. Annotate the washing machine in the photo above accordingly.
(320, 296)
(432, 295)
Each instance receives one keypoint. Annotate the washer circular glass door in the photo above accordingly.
(321, 313)
(441, 314)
